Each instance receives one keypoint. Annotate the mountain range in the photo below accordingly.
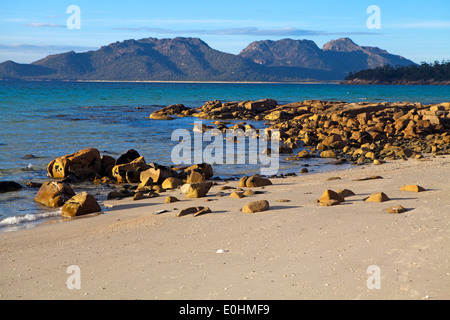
(191, 59)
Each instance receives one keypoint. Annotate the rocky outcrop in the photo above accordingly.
(176, 109)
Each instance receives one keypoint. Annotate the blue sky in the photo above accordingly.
(30, 30)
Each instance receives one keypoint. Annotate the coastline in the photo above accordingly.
(295, 250)
(337, 82)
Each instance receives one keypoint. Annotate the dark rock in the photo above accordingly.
(9, 186)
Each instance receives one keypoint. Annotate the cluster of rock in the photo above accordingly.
(362, 132)
(135, 178)
(56, 194)
(332, 198)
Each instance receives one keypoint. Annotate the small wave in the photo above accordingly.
(15, 220)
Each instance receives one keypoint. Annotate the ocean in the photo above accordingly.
(44, 120)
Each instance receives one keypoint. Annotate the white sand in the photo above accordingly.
(296, 250)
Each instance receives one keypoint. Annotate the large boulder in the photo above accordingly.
(82, 165)
(54, 194)
(80, 204)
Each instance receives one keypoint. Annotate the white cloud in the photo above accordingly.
(44, 25)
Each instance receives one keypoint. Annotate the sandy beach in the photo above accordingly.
(296, 250)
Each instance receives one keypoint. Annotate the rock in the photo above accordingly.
(328, 154)
(156, 175)
(54, 194)
(139, 195)
(256, 206)
(202, 211)
(329, 203)
(175, 109)
(159, 116)
(31, 184)
(190, 210)
(396, 209)
(257, 181)
(334, 141)
(260, 105)
(378, 162)
(83, 164)
(128, 157)
(107, 164)
(195, 177)
(9, 186)
(114, 195)
(132, 171)
(304, 154)
(412, 188)
(333, 178)
(171, 183)
(331, 195)
(242, 182)
(222, 188)
(304, 170)
(345, 193)
(378, 197)
(368, 178)
(80, 204)
(248, 192)
(205, 169)
(158, 189)
(170, 199)
(237, 195)
(283, 200)
(196, 190)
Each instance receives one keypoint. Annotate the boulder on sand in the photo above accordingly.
(378, 197)
(54, 194)
(256, 206)
(196, 190)
(412, 188)
(171, 183)
(331, 195)
(257, 181)
(80, 204)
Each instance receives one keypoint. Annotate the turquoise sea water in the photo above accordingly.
(51, 119)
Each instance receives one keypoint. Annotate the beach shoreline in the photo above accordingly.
(296, 250)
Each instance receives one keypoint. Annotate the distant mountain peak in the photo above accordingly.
(191, 59)
(341, 45)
